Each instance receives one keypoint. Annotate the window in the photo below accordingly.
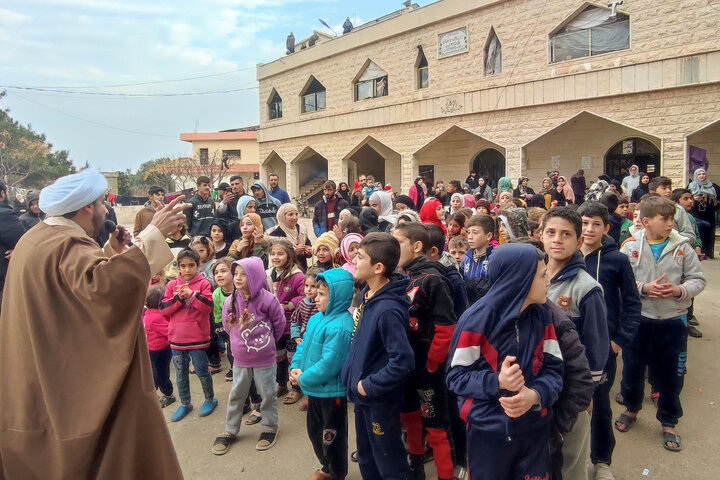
(313, 98)
(372, 82)
(493, 54)
(423, 80)
(592, 32)
(203, 156)
(275, 106)
(233, 154)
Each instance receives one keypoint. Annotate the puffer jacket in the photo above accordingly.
(678, 261)
(325, 346)
(189, 327)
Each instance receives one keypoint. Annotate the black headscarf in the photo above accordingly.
(420, 195)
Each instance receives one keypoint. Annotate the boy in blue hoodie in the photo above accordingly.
(380, 359)
(316, 369)
(506, 368)
(575, 291)
(613, 271)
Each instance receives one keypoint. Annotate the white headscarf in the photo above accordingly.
(697, 187)
(386, 206)
(72, 192)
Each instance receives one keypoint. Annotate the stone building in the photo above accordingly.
(505, 87)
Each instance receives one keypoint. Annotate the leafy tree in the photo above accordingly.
(26, 157)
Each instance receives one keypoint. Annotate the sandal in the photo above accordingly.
(222, 444)
(255, 417)
(671, 437)
(281, 390)
(293, 397)
(625, 420)
(304, 405)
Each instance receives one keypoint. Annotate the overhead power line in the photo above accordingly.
(114, 94)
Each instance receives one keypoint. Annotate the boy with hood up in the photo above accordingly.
(316, 368)
(506, 368)
(266, 205)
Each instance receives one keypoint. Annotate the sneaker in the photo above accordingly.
(213, 369)
(266, 441)
(693, 321)
(229, 376)
(167, 400)
(694, 332)
(207, 407)
(603, 472)
(181, 412)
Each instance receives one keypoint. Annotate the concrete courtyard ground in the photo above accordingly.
(292, 457)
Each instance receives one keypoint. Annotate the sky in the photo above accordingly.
(110, 46)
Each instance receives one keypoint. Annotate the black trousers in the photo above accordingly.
(228, 350)
(661, 345)
(327, 427)
(602, 438)
(381, 453)
(160, 361)
(213, 351)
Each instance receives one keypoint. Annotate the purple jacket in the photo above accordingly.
(290, 290)
(254, 344)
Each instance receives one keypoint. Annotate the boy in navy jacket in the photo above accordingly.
(380, 359)
(432, 322)
(581, 297)
(506, 368)
(613, 271)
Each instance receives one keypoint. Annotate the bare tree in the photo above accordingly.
(185, 170)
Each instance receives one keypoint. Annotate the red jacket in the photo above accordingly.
(189, 327)
(156, 329)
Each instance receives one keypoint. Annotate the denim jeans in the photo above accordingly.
(181, 360)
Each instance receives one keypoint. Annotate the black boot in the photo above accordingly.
(417, 467)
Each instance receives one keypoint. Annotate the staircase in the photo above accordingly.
(313, 189)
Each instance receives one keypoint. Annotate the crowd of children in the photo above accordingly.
(484, 336)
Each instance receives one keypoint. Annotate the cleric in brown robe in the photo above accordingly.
(77, 398)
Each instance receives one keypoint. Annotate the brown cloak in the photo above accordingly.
(77, 398)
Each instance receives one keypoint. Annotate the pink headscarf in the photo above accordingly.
(567, 190)
(469, 201)
(345, 243)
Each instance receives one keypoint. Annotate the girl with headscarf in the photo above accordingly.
(383, 205)
(252, 243)
(563, 188)
(433, 212)
(456, 203)
(469, 202)
(596, 191)
(547, 191)
(522, 190)
(504, 185)
(348, 250)
(630, 183)
(289, 227)
(484, 189)
(368, 220)
(417, 192)
(643, 188)
(704, 208)
(344, 191)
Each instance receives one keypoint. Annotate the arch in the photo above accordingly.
(310, 171)
(632, 151)
(371, 157)
(274, 163)
(707, 139)
(490, 163)
(450, 156)
(274, 105)
(580, 142)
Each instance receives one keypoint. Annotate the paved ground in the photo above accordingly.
(640, 449)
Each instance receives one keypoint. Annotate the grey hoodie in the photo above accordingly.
(266, 207)
(678, 261)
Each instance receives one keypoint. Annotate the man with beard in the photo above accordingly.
(76, 384)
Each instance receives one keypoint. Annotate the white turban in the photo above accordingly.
(71, 193)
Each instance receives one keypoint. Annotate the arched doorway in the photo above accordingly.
(490, 164)
(632, 151)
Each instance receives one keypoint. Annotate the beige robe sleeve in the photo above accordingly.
(152, 244)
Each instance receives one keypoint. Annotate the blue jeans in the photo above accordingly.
(181, 360)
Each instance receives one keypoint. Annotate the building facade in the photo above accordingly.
(503, 87)
(238, 147)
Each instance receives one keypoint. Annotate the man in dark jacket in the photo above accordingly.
(227, 208)
(265, 205)
(34, 215)
(612, 270)
(11, 231)
(432, 322)
(327, 210)
(201, 213)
